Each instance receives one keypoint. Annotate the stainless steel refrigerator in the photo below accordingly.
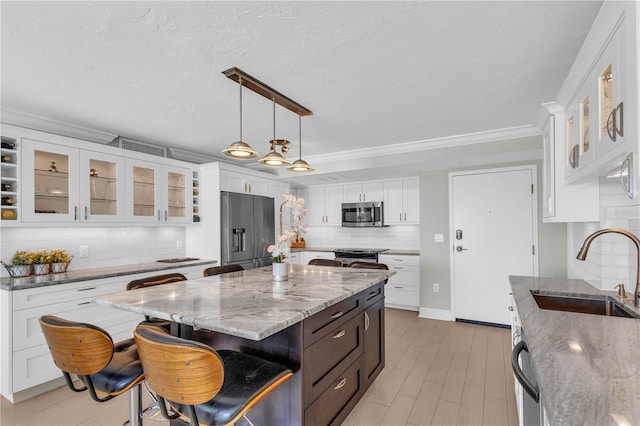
(248, 228)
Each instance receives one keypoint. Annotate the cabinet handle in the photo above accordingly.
(166, 215)
(511, 308)
(83, 303)
(620, 119)
(398, 286)
(86, 212)
(249, 188)
(611, 125)
(86, 289)
(339, 334)
(400, 217)
(372, 295)
(405, 217)
(75, 213)
(398, 267)
(366, 321)
(159, 215)
(573, 157)
(337, 315)
(341, 384)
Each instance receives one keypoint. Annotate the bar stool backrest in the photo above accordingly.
(369, 265)
(223, 269)
(77, 348)
(179, 370)
(155, 280)
(325, 262)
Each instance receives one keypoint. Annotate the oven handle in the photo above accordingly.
(515, 366)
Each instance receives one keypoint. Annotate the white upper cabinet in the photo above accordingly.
(562, 202)
(361, 192)
(102, 187)
(50, 182)
(600, 98)
(402, 201)
(324, 204)
(158, 193)
(243, 183)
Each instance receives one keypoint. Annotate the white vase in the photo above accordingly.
(280, 271)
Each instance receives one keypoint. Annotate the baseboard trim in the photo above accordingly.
(437, 314)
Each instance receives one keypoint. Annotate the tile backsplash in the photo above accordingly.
(396, 237)
(612, 258)
(108, 246)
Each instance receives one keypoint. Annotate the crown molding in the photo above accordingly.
(34, 122)
(430, 144)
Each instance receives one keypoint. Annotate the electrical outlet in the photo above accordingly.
(179, 245)
(84, 251)
(436, 287)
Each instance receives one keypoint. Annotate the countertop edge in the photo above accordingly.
(35, 281)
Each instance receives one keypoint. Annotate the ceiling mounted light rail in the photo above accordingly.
(241, 150)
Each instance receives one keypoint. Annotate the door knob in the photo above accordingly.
(460, 248)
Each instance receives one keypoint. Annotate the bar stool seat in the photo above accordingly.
(207, 386)
(88, 351)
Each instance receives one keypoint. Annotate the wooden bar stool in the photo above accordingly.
(104, 367)
(369, 265)
(208, 387)
(224, 269)
(325, 262)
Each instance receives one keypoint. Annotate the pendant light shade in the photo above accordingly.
(300, 165)
(240, 150)
(273, 158)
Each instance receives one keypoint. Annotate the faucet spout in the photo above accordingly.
(582, 254)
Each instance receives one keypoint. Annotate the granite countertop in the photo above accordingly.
(33, 281)
(248, 304)
(587, 366)
(389, 251)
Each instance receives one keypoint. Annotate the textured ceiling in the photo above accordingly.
(374, 74)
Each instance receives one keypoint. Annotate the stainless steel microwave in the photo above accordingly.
(363, 214)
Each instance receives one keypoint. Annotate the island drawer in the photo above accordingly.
(330, 406)
(373, 294)
(318, 325)
(326, 359)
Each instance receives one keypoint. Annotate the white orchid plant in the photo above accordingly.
(280, 250)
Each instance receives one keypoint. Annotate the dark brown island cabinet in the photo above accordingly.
(335, 354)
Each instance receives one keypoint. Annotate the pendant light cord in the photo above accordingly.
(300, 133)
(273, 146)
(240, 81)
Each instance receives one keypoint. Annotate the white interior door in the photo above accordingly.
(494, 235)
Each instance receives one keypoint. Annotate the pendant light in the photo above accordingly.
(240, 150)
(300, 165)
(273, 158)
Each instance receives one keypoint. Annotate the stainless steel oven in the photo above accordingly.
(348, 255)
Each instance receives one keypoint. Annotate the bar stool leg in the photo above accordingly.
(135, 406)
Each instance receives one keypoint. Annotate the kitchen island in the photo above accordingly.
(587, 366)
(326, 324)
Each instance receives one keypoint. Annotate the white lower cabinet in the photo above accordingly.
(26, 361)
(403, 289)
(308, 255)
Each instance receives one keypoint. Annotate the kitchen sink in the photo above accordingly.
(597, 306)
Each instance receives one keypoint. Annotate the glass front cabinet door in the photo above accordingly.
(101, 187)
(50, 178)
(158, 193)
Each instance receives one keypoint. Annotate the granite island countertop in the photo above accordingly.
(78, 275)
(404, 252)
(587, 366)
(248, 304)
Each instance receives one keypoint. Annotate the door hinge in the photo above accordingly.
(533, 250)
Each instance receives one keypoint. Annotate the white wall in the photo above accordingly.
(108, 246)
(405, 237)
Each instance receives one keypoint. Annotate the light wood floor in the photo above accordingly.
(437, 373)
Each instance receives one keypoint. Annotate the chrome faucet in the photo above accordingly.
(582, 254)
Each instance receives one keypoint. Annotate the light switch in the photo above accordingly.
(438, 238)
(84, 251)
